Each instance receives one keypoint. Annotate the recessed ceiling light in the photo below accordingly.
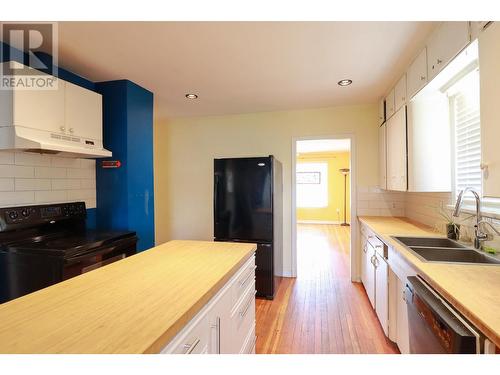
(344, 82)
(191, 96)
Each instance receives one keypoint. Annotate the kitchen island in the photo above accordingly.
(137, 305)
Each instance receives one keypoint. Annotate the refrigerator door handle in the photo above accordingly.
(216, 188)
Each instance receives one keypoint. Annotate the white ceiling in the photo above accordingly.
(240, 67)
(323, 145)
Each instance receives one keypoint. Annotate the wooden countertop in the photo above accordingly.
(472, 289)
(136, 305)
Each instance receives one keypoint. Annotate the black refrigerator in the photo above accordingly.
(248, 207)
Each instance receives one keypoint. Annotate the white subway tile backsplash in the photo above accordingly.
(6, 184)
(50, 172)
(86, 184)
(66, 162)
(28, 178)
(32, 184)
(14, 198)
(6, 157)
(33, 160)
(16, 171)
(88, 164)
(57, 196)
(81, 194)
(81, 173)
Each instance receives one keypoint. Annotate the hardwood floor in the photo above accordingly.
(320, 311)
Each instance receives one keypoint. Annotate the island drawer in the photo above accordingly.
(242, 280)
(194, 339)
(243, 318)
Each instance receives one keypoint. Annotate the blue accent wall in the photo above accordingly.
(125, 195)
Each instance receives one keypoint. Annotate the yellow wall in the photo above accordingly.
(185, 149)
(335, 188)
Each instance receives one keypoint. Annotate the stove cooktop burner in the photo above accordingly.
(66, 244)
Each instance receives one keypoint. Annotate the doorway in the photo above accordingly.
(323, 181)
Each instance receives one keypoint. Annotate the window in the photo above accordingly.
(464, 111)
(312, 185)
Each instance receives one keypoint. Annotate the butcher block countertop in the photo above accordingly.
(472, 289)
(136, 305)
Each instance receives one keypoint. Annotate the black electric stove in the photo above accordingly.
(43, 245)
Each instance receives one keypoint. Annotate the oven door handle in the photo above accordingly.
(89, 255)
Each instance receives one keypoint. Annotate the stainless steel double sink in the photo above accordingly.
(436, 249)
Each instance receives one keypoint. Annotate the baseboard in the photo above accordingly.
(318, 222)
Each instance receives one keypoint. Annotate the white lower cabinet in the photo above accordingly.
(226, 324)
(402, 332)
(369, 273)
(382, 292)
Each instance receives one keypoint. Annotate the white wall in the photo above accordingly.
(28, 178)
(185, 149)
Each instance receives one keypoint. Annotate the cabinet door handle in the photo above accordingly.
(216, 326)
(365, 249)
(188, 348)
(247, 306)
(422, 78)
(63, 129)
(71, 130)
(439, 61)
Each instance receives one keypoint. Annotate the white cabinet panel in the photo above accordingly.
(489, 72)
(400, 93)
(445, 43)
(396, 151)
(417, 74)
(390, 104)
(381, 111)
(83, 112)
(364, 259)
(402, 335)
(382, 292)
(429, 153)
(370, 273)
(382, 160)
(40, 109)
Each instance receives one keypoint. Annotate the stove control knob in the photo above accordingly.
(13, 215)
(25, 212)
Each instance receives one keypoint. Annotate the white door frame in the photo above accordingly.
(354, 269)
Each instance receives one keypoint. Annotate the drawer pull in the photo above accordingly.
(190, 347)
(216, 326)
(244, 281)
(365, 249)
(247, 306)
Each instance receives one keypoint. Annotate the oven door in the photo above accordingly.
(99, 257)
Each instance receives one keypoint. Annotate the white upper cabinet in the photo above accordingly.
(445, 43)
(489, 72)
(400, 93)
(390, 105)
(83, 111)
(417, 74)
(429, 153)
(396, 151)
(381, 111)
(31, 108)
(382, 152)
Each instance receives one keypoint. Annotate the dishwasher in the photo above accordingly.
(434, 326)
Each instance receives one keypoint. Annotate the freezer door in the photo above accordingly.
(243, 207)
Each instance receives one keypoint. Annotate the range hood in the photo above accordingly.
(58, 117)
(33, 140)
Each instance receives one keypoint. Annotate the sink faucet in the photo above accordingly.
(479, 235)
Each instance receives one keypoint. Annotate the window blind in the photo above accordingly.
(466, 121)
